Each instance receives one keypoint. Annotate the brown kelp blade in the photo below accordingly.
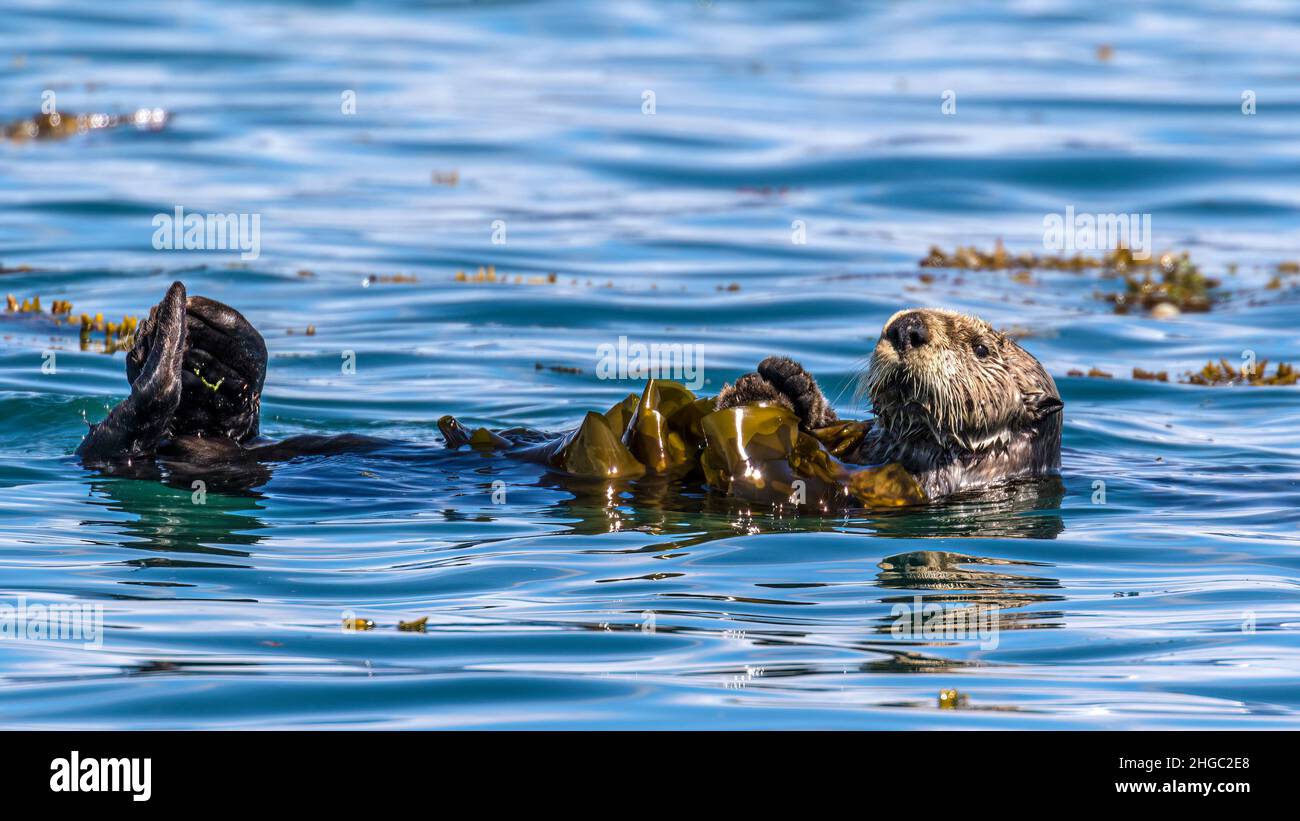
(650, 434)
(886, 486)
(687, 420)
(748, 455)
(595, 451)
(758, 452)
(620, 414)
(754, 452)
(739, 437)
(842, 437)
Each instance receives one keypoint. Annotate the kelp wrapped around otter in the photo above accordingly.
(958, 406)
(757, 452)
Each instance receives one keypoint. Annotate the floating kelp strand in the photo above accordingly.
(56, 125)
(118, 336)
(1224, 372)
(1154, 283)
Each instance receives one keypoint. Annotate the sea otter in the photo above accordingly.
(196, 372)
(958, 404)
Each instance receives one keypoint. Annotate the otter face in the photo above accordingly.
(952, 379)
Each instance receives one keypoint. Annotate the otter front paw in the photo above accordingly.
(791, 379)
(784, 382)
(751, 389)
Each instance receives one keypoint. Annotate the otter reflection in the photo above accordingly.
(1020, 510)
(980, 595)
(963, 588)
(166, 521)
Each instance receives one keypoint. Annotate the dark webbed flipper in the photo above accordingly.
(226, 366)
(222, 375)
(781, 380)
(136, 424)
(196, 373)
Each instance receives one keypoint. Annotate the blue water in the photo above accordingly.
(1172, 605)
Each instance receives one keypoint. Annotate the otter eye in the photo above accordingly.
(981, 350)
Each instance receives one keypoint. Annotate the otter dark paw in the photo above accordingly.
(790, 378)
(781, 381)
(750, 389)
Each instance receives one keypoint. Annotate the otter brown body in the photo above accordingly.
(958, 404)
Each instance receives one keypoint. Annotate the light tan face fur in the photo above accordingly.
(950, 391)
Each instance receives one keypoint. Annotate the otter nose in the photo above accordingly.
(908, 331)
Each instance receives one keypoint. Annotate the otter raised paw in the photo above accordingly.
(780, 381)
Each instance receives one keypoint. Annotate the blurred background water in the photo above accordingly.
(1174, 604)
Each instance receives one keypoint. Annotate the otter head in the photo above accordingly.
(222, 374)
(951, 379)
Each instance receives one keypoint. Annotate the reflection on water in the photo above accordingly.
(1021, 510)
(984, 594)
(164, 519)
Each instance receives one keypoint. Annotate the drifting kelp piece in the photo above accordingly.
(355, 623)
(414, 626)
(456, 435)
(57, 126)
(593, 451)
(1224, 372)
(756, 452)
(1150, 376)
(650, 434)
(1181, 284)
(842, 437)
(619, 415)
(118, 336)
(999, 259)
(886, 486)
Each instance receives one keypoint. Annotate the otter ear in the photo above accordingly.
(1044, 406)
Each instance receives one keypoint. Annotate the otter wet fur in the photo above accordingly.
(959, 405)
